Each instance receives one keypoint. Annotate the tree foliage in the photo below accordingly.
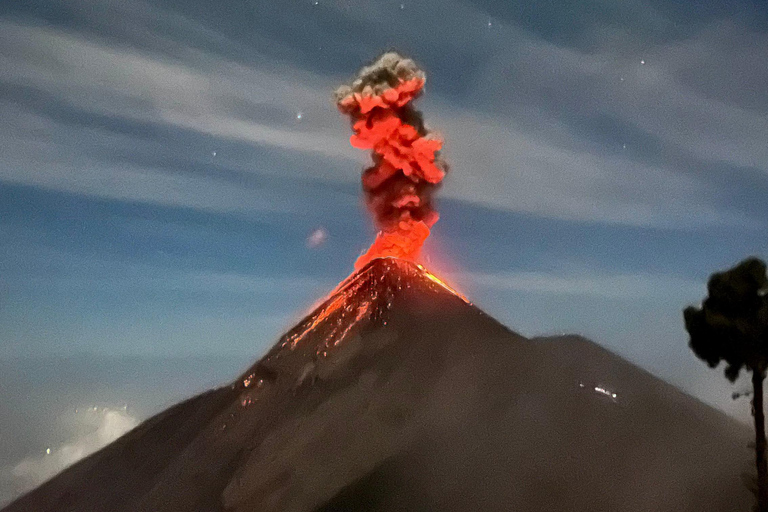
(732, 323)
(732, 326)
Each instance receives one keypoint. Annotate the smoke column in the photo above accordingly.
(406, 170)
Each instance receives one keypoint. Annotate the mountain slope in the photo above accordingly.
(397, 394)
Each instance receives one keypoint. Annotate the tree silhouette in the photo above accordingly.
(732, 325)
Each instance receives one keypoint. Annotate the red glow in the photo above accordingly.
(405, 243)
(366, 294)
(399, 186)
(432, 277)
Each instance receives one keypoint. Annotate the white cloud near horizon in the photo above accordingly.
(95, 427)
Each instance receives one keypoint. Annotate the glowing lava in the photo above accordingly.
(432, 277)
(406, 170)
(366, 294)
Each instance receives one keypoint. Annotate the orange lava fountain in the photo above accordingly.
(406, 170)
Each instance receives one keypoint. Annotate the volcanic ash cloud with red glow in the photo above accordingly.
(407, 169)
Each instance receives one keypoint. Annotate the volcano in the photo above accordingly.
(397, 394)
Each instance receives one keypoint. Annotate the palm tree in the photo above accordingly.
(732, 325)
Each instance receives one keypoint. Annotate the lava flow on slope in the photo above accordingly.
(365, 298)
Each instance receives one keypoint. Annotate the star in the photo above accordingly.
(299, 115)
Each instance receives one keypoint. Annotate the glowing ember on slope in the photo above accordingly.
(433, 277)
(366, 294)
(406, 170)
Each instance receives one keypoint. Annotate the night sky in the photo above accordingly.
(175, 180)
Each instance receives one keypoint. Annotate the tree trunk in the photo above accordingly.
(762, 472)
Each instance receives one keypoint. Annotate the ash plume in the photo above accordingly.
(406, 168)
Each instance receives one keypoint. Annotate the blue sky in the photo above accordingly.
(163, 164)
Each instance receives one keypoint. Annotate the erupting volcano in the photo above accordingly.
(397, 394)
(407, 170)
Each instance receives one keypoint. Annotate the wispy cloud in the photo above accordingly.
(541, 129)
(625, 125)
(501, 165)
(600, 285)
(209, 282)
(89, 273)
(202, 91)
(200, 94)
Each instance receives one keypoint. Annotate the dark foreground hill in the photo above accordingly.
(397, 395)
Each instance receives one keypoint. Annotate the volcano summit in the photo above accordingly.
(397, 394)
